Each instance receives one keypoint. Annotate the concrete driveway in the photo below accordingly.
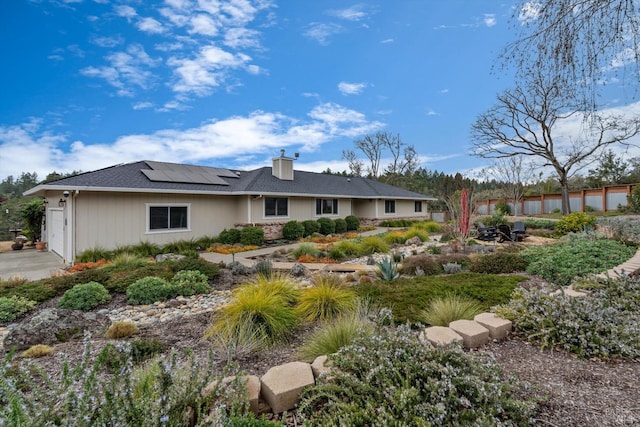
(29, 264)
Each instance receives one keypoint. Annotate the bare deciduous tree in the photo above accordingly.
(355, 164)
(404, 158)
(577, 42)
(513, 174)
(523, 121)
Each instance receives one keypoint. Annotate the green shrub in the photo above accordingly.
(396, 223)
(633, 200)
(421, 265)
(452, 307)
(84, 297)
(305, 249)
(293, 230)
(336, 254)
(603, 324)
(68, 281)
(575, 255)
(252, 236)
(327, 226)
(451, 268)
(499, 263)
(575, 222)
(327, 298)
(190, 282)
(391, 378)
(341, 225)
(503, 206)
(409, 296)
(546, 224)
(81, 395)
(263, 308)
(353, 223)
(264, 267)
(120, 280)
(229, 237)
(13, 307)
(464, 261)
(373, 244)
(149, 290)
(195, 264)
(310, 227)
(143, 349)
(38, 291)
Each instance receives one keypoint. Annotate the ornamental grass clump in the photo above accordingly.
(327, 298)
(389, 377)
(308, 249)
(121, 329)
(373, 244)
(337, 332)
(85, 296)
(265, 307)
(35, 351)
(452, 307)
(603, 324)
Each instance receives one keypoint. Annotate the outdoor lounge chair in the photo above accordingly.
(517, 233)
(488, 234)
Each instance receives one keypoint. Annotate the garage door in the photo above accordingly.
(56, 231)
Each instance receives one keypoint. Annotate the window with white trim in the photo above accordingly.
(326, 206)
(168, 217)
(389, 206)
(276, 206)
(418, 206)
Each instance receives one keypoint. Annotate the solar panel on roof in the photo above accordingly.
(182, 177)
(174, 172)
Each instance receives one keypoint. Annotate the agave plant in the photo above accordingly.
(388, 269)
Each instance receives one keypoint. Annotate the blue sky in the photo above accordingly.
(92, 83)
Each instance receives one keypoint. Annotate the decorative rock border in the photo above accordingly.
(280, 387)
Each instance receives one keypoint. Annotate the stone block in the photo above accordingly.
(498, 327)
(252, 383)
(282, 385)
(440, 335)
(473, 333)
(321, 365)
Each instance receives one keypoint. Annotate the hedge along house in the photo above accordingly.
(158, 202)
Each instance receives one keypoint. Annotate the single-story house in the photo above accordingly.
(161, 202)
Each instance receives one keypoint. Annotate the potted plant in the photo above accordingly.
(40, 246)
(32, 213)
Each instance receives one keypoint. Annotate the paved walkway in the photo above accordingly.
(248, 258)
(29, 264)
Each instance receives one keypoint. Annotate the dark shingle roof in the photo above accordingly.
(129, 177)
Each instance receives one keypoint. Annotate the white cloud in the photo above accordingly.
(27, 148)
(204, 25)
(150, 25)
(125, 71)
(321, 32)
(530, 12)
(353, 13)
(351, 88)
(431, 112)
(206, 71)
(56, 57)
(386, 41)
(490, 19)
(142, 105)
(109, 42)
(240, 38)
(125, 11)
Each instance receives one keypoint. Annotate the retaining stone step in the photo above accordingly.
(440, 335)
(498, 327)
(473, 334)
(282, 385)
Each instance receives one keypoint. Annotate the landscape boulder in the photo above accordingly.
(53, 325)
